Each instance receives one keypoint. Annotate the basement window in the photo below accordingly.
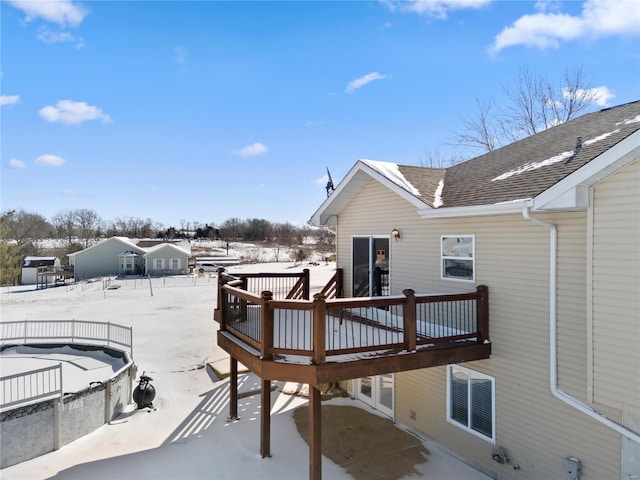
(471, 401)
(457, 257)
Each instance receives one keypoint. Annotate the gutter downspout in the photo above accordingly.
(553, 347)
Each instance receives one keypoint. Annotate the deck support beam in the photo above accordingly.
(315, 433)
(233, 389)
(265, 419)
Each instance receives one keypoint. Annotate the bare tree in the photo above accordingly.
(23, 226)
(87, 222)
(439, 158)
(230, 231)
(480, 129)
(532, 104)
(64, 225)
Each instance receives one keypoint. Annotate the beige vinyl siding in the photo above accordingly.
(376, 211)
(512, 259)
(616, 290)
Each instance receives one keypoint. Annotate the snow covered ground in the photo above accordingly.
(188, 436)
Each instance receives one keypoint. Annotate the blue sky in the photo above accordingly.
(207, 110)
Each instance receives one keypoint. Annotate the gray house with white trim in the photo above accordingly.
(166, 259)
(123, 256)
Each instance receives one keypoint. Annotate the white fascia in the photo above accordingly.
(505, 208)
(572, 193)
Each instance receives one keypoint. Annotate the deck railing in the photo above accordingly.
(351, 326)
(281, 285)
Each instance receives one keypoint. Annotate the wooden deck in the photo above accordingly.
(269, 324)
(327, 340)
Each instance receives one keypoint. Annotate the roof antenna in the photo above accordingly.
(575, 150)
(330, 188)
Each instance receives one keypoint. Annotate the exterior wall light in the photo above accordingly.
(395, 233)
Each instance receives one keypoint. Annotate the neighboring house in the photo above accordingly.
(123, 256)
(551, 224)
(166, 259)
(30, 268)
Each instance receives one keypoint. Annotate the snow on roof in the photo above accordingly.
(392, 172)
(437, 197)
(629, 121)
(527, 167)
(181, 248)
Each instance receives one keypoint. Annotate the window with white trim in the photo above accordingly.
(175, 263)
(471, 401)
(458, 257)
(158, 263)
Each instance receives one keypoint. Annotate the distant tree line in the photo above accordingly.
(23, 233)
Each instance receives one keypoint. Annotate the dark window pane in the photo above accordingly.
(459, 398)
(482, 409)
(458, 269)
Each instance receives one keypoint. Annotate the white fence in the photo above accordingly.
(47, 382)
(28, 387)
(51, 331)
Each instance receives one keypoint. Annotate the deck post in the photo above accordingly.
(409, 318)
(266, 326)
(307, 282)
(219, 313)
(339, 283)
(233, 389)
(265, 419)
(319, 329)
(315, 434)
(483, 313)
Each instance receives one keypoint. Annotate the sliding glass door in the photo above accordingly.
(370, 266)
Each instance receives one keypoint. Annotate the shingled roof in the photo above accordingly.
(526, 168)
(520, 171)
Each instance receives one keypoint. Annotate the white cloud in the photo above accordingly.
(251, 150)
(73, 113)
(48, 36)
(599, 18)
(433, 8)
(13, 163)
(9, 99)
(600, 95)
(49, 161)
(322, 181)
(362, 81)
(62, 12)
